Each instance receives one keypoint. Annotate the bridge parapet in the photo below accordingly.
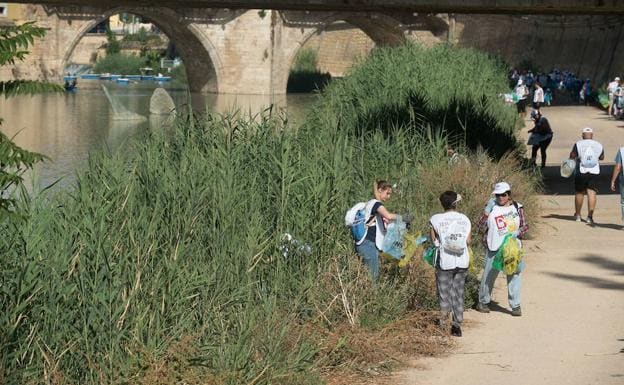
(553, 7)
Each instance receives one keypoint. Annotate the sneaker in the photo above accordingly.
(590, 221)
(516, 311)
(578, 218)
(456, 331)
(482, 308)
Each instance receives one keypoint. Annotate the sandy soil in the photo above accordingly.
(572, 328)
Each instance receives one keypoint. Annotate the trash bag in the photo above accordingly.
(393, 240)
(568, 166)
(473, 267)
(431, 255)
(509, 255)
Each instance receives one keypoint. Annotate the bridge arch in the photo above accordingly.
(382, 29)
(198, 53)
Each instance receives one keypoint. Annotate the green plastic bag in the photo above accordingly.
(430, 255)
(509, 255)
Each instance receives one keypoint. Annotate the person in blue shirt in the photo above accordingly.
(618, 171)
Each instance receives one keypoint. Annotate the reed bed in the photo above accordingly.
(166, 263)
(455, 91)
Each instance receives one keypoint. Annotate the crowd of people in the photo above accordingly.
(579, 90)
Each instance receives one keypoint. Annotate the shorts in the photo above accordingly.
(521, 105)
(583, 182)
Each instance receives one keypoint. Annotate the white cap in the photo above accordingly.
(617, 79)
(587, 130)
(501, 187)
(520, 82)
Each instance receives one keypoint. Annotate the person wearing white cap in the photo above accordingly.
(618, 172)
(611, 90)
(502, 216)
(587, 152)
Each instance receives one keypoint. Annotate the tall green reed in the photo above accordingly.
(163, 264)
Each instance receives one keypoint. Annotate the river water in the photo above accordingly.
(68, 127)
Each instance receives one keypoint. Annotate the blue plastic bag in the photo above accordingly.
(393, 241)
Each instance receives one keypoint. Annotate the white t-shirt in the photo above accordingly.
(538, 96)
(589, 148)
(612, 87)
(452, 228)
(502, 220)
(521, 91)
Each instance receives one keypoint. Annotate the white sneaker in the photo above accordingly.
(590, 221)
(578, 218)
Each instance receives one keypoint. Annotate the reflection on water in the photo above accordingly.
(67, 127)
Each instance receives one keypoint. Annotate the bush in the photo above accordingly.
(455, 91)
(305, 61)
(120, 64)
(304, 74)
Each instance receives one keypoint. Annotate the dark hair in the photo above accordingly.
(448, 199)
(379, 186)
(382, 184)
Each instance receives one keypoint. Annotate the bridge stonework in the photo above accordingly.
(224, 51)
(252, 51)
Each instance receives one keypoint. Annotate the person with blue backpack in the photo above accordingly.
(368, 226)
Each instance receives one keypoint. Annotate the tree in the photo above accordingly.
(14, 161)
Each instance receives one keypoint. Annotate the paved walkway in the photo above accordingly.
(572, 328)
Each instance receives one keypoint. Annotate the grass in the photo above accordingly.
(164, 264)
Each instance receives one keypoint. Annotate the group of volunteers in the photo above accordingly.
(451, 234)
(502, 222)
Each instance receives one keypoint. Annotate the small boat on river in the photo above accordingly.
(162, 78)
(122, 80)
(90, 76)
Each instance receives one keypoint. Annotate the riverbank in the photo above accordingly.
(572, 290)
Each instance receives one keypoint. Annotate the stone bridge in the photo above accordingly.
(224, 50)
(242, 51)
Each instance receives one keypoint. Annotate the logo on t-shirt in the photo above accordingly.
(500, 222)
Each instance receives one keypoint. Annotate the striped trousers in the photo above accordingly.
(450, 284)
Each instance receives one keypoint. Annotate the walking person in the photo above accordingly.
(611, 90)
(541, 136)
(451, 233)
(521, 92)
(618, 172)
(502, 216)
(377, 217)
(586, 92)
(587, 152)
(538, 96)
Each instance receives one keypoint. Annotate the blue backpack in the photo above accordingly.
(356, 218)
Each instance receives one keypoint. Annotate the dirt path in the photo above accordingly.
(572, 328)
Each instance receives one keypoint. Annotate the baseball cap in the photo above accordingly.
(617, 79)
(501, 187)
(587, 130)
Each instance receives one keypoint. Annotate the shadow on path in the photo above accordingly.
(572, 218)
(613, 267)
(554, 183)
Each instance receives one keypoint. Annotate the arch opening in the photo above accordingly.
(331, 50)
(158, 39)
